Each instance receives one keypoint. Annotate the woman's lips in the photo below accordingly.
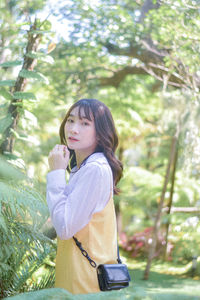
(72, 139)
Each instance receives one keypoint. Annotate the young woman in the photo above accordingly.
(84, 207)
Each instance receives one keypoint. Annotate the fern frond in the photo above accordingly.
(11, 63)
(24, 95)
(25, 202)
(7, 95)
(41, 56)
(24, 248)
(7, 82)
(24, 251)
(39, 31)
(47, 281)
(34, 75)
(8, 172)
(5, 122)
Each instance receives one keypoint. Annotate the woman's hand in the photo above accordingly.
(58, 158)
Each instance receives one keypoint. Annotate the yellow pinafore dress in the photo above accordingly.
(99, 238)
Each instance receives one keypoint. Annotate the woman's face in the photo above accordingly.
(80, 133)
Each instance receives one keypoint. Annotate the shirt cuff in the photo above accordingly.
(56, 176)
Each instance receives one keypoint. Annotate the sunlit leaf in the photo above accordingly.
(11, 63)
(24, 95)
(41, 56)
(34, 75)
(7, 95)
(7, 82)
(51, 47)
(5, 122)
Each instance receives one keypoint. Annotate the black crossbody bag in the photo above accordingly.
(110, 276)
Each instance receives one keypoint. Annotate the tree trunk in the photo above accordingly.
(29, 63)
(160, 206)
(170, 201)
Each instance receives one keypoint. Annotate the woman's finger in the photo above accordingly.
(59, 148)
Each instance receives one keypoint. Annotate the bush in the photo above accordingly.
(138, 244)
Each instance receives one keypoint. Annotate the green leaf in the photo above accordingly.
(24, 95)
(7, 95)
(14, 132)
(39, 31)
(9, 156)
(3, 106)
(48, 59)
(34, 54)
(41, 56)
(5, 122)
(11, 63)
(32, 74)
(3, 224)
(7, 82)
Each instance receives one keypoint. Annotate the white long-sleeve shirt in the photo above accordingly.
(72, 205)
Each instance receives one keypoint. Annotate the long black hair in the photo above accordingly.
(107, 139)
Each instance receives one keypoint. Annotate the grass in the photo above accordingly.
(167, 281)
(163, 286)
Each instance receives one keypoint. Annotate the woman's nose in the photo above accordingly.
(74, 128)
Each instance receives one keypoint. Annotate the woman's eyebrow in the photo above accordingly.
(81, 117)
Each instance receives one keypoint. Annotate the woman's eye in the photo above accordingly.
(86, 123)
(70, 121)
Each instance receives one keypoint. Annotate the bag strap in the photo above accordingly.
(118, 256)
(92, 262)
(84, 252)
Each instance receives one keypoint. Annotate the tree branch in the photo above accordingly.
(182, 209)
(119, 76)
(20, 84)
(152, 59)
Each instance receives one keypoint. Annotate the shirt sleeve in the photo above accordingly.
(72, 209)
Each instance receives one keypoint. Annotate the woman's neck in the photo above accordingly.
(80, 157)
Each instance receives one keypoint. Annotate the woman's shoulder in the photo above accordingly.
(97, 159)
(98, 170)
(98, 162)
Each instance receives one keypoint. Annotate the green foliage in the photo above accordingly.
(140, 188)
(5, 121)
(39, 31)
(160, 286)
(33, 75)
(6, 95)
(23, 246)
(24, 95)
(184, 235)
(41, 56)
(8, 82)
(176, 26)
(11, 63)
(23, 211)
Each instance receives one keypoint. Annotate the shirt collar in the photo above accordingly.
(97, 157)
